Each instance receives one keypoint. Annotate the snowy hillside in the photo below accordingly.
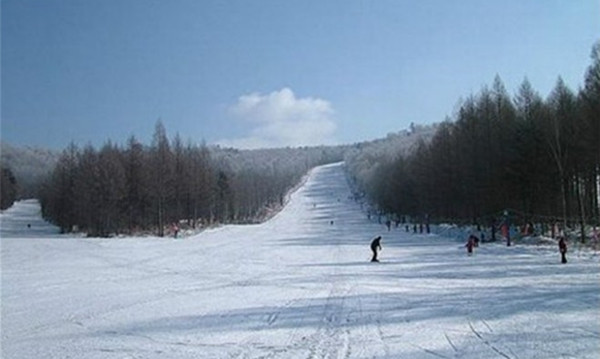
(298, 286)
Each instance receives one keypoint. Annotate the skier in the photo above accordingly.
(475, 240)
(375, 245)
(562, 247)
(175, 230)
(470, 244)
(388, 224)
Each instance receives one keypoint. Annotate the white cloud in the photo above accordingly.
(279, 119)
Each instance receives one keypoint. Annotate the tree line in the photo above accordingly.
(8, 188)
(536, 157)
(137, 188)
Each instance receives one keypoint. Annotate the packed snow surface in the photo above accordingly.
(297, 286)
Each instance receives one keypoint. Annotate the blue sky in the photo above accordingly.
(272, 73)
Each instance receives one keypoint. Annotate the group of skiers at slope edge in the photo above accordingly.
(472, 242)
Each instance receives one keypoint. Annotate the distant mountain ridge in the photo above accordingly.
(30, 166)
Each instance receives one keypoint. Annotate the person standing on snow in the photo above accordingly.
(375, 246)
(470, 244)
(475, 240)
(562, 247)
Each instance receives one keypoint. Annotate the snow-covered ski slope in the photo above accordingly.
(294, 287)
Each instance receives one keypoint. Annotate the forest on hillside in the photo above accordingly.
(533, 158)
(137, 188)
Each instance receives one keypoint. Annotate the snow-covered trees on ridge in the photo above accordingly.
(142, 188)
(30, 166)
(540, 158)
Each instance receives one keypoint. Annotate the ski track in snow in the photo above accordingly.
(296, 286)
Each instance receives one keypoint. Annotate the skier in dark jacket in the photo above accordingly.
(375, 246)
(562, 247)
(470, 244)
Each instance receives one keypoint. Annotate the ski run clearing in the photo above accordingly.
(297, 286)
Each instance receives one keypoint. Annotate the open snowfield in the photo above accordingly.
(294, 287)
